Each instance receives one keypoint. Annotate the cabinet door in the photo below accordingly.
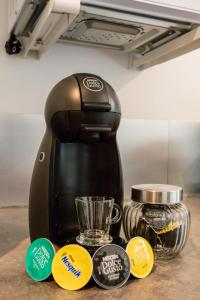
(192, 5)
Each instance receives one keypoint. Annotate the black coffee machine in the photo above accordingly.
(78, 156)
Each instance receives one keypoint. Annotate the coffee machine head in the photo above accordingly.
(78, 156)
(82, 108)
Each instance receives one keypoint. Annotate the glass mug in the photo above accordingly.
(95, 217)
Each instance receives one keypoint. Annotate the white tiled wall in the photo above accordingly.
(144, 152)
(152, 151)
(20, 136)
(184, 155)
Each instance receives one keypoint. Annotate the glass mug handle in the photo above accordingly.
(118, 215)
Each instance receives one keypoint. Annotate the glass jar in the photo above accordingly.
(158, 214)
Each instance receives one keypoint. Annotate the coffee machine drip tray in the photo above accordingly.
(116, 240)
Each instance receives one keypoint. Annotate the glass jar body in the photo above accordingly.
(166, 227)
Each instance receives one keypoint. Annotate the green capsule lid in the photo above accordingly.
(39, 259)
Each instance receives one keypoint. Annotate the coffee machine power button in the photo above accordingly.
(41, 156)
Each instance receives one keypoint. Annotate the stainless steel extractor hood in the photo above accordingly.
(150, 33)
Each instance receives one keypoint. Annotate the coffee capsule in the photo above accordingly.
(141, 257)
(72, 267)
(111, 266)
(39, 259)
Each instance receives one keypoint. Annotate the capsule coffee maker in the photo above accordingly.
(78, 156)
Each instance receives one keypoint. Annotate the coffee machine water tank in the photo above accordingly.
(78, 156)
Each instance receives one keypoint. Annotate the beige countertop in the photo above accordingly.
(174, 279)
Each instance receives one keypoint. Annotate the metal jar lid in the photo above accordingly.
(157, 193)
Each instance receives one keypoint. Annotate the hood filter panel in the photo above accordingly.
(102, 32)
(122, 35)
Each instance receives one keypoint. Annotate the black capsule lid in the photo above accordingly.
(111, 266)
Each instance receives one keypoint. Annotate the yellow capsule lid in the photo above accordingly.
(72, 267)
(141, 257)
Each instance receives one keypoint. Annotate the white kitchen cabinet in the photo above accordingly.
(14, 9)
(193, 5)
(149, 31)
